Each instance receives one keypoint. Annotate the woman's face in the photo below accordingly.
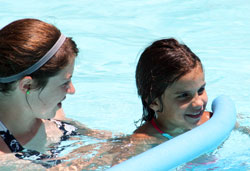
(44, 103)
(184, 101)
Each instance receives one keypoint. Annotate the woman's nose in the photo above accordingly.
(71, 89)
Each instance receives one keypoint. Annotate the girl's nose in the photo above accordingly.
(198, 102)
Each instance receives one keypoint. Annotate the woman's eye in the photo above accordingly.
(66, 84)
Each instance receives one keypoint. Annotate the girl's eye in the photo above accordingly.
(201, 90)
(183, 96)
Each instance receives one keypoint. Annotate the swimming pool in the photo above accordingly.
(111, 34)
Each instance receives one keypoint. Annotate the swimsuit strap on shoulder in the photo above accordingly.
(160, 131)
(9, 139)
(67, 129)
(167, 136)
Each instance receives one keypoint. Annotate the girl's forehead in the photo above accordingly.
(192, 75)
(194, 79)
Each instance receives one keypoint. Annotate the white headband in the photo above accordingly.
(38, 64)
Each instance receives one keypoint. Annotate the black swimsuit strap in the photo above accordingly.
(10, 140)
(37, 157)
(67, 129)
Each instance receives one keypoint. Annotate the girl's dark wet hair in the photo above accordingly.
(159, 66)
(24, 42)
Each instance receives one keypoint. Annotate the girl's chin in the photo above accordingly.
(191, 125)
(192, 120)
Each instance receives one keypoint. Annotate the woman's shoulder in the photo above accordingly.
(60, 115)
(3, 147)
(53, 133)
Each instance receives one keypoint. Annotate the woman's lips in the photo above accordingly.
(59, 104)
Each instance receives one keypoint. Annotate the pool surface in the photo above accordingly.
(111, 34)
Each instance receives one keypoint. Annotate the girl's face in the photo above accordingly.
(183, 102)
(44, 103)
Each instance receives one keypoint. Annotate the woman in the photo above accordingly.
(171, 83)
(37, 64)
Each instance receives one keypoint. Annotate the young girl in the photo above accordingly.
(171, 83)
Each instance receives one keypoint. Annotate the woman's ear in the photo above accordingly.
(155, 105)
(25, 84)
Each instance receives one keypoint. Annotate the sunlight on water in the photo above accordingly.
(111, 35)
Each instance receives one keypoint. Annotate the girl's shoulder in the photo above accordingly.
(143, 129)
(146, 131)
(205, 117)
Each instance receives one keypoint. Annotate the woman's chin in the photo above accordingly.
(51, 114)
(59, 105)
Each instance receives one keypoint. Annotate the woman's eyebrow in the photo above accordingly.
(68, 77)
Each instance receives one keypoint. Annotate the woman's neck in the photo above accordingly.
(16, 118)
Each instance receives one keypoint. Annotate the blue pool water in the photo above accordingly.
(111, 34)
